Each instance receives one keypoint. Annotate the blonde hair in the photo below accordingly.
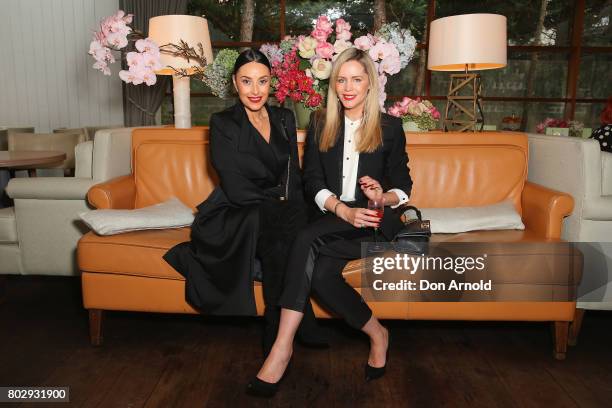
(369, 132)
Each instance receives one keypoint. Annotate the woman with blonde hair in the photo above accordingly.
(353, 151)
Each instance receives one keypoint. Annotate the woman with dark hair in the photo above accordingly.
(251, 218)
(352, 151)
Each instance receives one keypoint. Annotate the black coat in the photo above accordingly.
(388, 164)
(218, 262)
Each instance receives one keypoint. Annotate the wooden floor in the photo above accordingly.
(153, 360)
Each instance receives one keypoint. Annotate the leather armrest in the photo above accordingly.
(117, 193)
(544, 209)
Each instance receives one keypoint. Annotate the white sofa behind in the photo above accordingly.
(46, 208)
(578, 167)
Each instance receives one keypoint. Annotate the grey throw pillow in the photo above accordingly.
(500, 216)
(169, 214)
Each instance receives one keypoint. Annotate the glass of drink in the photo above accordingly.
(377, 205)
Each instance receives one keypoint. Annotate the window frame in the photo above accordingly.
(575, 50)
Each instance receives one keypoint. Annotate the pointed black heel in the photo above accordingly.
(373, 373)
(262, 389)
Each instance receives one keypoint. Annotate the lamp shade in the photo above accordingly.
(171, 29)
(478, 40)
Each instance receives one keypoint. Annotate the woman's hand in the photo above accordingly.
(358, 217)
(371, 188)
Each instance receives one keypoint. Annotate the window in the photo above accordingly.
(559, 54)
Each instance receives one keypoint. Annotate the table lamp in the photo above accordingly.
(466, 42)
(171, 29)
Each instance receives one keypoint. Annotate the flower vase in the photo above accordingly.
(410, 126)
(302, 115)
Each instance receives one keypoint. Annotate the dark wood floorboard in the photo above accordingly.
(156, 360)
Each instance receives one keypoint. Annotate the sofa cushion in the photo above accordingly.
(500, 216)
(140, 254)
(8, 227)
(169, 214)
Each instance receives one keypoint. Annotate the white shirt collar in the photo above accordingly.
(351, 123)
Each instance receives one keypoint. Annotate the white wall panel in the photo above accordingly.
(46, 78)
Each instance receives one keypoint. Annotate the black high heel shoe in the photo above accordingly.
(263, 389)
(373, 373)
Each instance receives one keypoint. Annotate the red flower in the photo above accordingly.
(293, 83)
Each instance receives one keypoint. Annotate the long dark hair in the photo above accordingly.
(251, 55)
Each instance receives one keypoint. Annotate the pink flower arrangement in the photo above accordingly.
(391, 48)
(551, 122)
(418, 110)
(113, 36)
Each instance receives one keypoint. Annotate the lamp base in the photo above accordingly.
(182, 102)
(462, 103)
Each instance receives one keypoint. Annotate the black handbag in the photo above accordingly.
(414, 237)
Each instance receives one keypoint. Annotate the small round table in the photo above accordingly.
(29, 160)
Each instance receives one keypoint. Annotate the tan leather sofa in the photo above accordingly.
(127, 272)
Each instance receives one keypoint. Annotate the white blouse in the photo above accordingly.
(350, 165)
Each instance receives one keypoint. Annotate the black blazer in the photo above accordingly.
(242, 174)
(388, 164)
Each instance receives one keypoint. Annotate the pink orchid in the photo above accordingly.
(149, 77)
(117, 40)
(325, 50)
(382, 97)
(102, 66)
(363, 43)
(151, 60)
(382, 50)
(147, 45)
(390, 65)
(382, 81)
(135, 59)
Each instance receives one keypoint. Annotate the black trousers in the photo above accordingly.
(325, 247)
(280, 222)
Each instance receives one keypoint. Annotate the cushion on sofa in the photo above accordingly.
(169, 214)
(500, 216)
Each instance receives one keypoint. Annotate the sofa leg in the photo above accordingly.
(575, 326)
(96, 317)
(561, 333)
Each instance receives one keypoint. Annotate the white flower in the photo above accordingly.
(321, 68)
(341, 45)
(307, 47)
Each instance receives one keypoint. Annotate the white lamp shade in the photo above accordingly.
(478, 40)
(171, 29)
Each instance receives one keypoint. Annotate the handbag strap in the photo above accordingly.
(416, 210)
